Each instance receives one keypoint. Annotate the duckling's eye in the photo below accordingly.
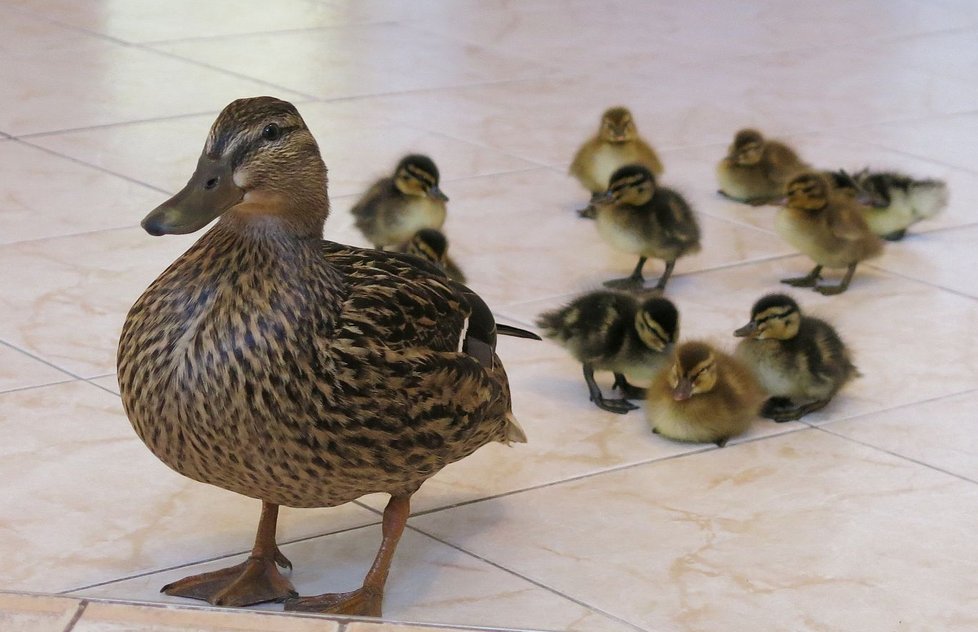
(271, 132)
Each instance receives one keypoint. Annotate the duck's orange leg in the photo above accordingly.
(366, 600)
(253, 581)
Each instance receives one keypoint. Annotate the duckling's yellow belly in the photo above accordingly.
(812, 237)
(417, 213)
(615, 227)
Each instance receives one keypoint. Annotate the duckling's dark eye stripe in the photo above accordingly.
(423, 176)
(781, 314)
(624, 184)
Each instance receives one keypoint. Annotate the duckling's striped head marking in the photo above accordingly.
(416, 174)
(694, 370)
(429, 244)
(631, 184)
(747, 148)
(808, 192)
(774, 316)
(657, 323)
(617, 125)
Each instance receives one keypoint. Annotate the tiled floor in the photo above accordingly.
(859, 518)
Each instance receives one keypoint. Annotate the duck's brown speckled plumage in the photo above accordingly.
(298, 371)
(242, 364)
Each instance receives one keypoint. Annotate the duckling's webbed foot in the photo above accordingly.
(256, 580)
(782, 409)
(628, 391)
(365, 601)
(896, 235)
(832, 290)
(632, 282)
(619, 406)
(809, 280)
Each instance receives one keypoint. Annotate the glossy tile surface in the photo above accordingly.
(859, 516)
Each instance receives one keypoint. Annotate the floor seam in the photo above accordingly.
(79, 612)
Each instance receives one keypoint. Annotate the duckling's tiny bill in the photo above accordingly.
(210, 192)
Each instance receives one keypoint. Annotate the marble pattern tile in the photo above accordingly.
(676, 544)
(35, 613)
(429, 582)
(857, 517)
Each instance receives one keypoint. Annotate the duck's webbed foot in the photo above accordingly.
(256, 580)
(362, 602)
(628, 391)
(619, 406)
(632, 282)
(832, 290)
(809, 280)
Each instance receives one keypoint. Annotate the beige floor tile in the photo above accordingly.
(19, 370)
(429, 583)
(949, 140)
(108, 382)
(939, 433)
(361, 626)
(35, 613)
(945, 259)
(759, 536)
(119, 617)
(362, 60)
(86, 502)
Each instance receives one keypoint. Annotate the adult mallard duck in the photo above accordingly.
(298, 371)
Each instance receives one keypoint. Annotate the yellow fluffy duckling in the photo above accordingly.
(703, 396)
(613, 331)
(892, 202)
(638, 217)
(298, 371)
(431, 245)
(756, 169)
(799, 360)
(616, 144)
(828, 227)
(395, 208)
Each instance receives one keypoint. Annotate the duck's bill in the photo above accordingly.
(683, 390)
(746, 330)
(210, 192)
(435, 194)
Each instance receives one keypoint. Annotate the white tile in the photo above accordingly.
(121, 617)
(36, 613)
(758, 536)
(19, 370)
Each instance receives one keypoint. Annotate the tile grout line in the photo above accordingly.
(41, 360)
(525, 578)
(79, 612)
(905, 277)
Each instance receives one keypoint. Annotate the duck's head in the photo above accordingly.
(631, 184)
(694, 371)
(747, 148)
(808, 192)
(260, 160)
(775, 316)
(617, 126)
(416, 174)
(657, 323)
(429, 244)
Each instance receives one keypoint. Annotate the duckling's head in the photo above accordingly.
(775, 316)
(617, 125)
(631, 184)
(657, 323)
(416, 174)
(260, 161)
(747, 148)
(694, 371)
(808, 192)
(429, 244)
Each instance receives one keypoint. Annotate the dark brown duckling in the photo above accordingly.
(638, 217)
(799, 360)
(431, 245)
(613, 331)
(756, 169)
(395, 208)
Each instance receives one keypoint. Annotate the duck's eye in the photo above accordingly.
(271, 132)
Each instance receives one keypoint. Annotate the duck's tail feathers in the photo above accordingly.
(928, 198)
(514, 431)
(516, 332)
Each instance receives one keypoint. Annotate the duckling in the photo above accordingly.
(613, 331)
(297, 371)
(395, 208)
(703, 396)
(826, 226)
(616, 144)
(637, 217)
(892, 201)
(800, 361)
(431, 245)
(756, 169)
